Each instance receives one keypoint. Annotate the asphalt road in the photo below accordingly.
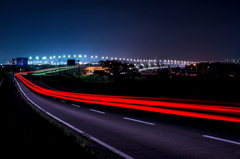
(139, 134)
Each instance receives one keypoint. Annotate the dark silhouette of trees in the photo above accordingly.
(115, 68)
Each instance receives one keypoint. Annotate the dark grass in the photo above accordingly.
(24, 133)
(212, 88)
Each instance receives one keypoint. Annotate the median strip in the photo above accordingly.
(216, 138)
(138, 121)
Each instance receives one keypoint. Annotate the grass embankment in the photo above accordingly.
(211, 88)
(26, 134)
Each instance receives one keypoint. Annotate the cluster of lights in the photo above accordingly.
(180, 107)
(149, 60)
(53, 57)
(94, 57)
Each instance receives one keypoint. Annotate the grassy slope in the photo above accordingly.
(25, 133)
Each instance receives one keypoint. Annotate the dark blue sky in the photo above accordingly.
(166, 29)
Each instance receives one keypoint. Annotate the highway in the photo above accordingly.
(143, 134)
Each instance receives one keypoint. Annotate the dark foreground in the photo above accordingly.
(26, 134)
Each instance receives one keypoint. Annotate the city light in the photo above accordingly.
(94, 58)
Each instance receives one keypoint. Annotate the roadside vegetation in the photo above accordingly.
(26, 134)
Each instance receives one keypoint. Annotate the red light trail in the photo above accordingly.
(182, 107)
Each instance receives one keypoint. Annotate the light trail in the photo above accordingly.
(152, 104)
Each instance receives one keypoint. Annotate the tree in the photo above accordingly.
(115, 68)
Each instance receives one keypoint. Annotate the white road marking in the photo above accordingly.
(76, 105)
(138, 121)
(216, 138)
(76, 129)
(53, 98)
(97, 111)
(62, 101)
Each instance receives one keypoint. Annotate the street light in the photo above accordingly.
(59, 57)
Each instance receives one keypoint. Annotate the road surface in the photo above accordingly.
(140, 134)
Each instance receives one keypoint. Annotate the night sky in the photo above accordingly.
(145, 29)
